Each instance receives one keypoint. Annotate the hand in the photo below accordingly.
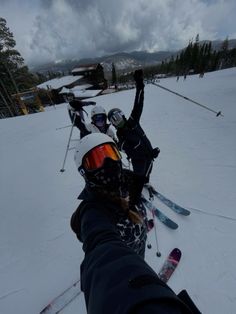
(138, 74)
(138, 77)
(76, 105)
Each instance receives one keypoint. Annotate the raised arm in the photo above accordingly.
(139, 97)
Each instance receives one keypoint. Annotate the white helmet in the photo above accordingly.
(97, 110)
(98, 160)
(87, 143)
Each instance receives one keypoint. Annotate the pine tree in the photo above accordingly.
(14, 75)
(10, 60)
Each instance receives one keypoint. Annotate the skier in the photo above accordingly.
(133, 141)
(114, 278)
(98, 118)
(98, 159)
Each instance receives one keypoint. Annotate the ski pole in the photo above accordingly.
(149, 246)
(151, 197)
(191, 100)
(68, 145)
(158, 253)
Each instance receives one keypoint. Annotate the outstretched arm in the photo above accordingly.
(112, 275)
(138, 105)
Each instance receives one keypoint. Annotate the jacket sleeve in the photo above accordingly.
(138, 106)
(114, 278)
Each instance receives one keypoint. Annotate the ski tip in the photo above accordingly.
(176, 254)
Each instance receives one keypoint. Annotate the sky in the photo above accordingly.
(47, 30)
(40, 256)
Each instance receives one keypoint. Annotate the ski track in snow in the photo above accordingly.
(202, 211)
(11, 293)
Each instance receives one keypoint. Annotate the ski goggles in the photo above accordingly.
(95, 158)
(99, 118)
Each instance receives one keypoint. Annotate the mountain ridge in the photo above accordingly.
(124, 61)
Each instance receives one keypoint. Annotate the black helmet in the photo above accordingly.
(116, 117)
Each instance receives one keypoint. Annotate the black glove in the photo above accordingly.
(76, 105)
(138, 77)
(92, 103)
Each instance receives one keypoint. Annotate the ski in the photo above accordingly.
(63, 299)
(175, 207)
(160, 215)
(170, 265)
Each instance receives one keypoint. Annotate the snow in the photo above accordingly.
(40, 256)
(77, 88)
(57, 83)
(87, 93)
(81, 87)
(80, 91)
(84, 68)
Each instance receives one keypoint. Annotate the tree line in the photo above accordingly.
(196, 58)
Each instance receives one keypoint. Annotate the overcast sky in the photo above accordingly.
(59, 29)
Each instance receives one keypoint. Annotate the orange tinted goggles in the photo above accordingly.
(94, 159)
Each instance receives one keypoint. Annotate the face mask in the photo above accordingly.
(108, 177)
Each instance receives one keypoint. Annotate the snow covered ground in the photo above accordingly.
(40, 255)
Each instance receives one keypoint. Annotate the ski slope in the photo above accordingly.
(40, 256)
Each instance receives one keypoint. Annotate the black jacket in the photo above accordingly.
(114, 279)
(132, 139)
(133, 234)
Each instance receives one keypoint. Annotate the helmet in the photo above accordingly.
(116, 117)
(97, 110)
(99, 116)
(99, 161)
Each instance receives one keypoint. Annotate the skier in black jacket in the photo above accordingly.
(133, 140)
(114, 278)
(108, 185)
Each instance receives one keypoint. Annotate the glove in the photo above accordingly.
(76, 105)
(138, 77)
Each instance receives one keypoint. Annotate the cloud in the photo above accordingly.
(52, 30)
